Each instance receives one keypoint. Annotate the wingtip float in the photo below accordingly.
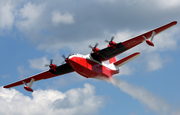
(91, 65)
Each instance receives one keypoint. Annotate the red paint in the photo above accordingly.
(43, 75)
(89, 68)
(149, 43)
(139, 39)
(66, 60)
(112, 44)
(53, 67)
(28, 88)
(126, 58)
(95, 50)
(112, 60)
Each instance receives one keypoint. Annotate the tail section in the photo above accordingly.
(126, 59)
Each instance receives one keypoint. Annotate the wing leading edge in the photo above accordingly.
(109, 52)
(60, 70)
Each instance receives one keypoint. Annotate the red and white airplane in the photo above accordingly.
(91, 65)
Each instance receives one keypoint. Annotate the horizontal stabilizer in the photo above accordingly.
(126, 59)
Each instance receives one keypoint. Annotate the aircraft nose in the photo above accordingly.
(69, 59)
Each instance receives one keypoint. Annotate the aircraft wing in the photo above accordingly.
(109, 52)
(60, 70)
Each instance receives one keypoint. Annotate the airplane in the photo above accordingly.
(92, 65)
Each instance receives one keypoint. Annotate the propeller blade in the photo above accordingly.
(65, 59)
(96, 45)
(112, 38)
(46, 65)
(64, 56)
(90, 47)
(51, 61)
(63, 62)
(107, 41)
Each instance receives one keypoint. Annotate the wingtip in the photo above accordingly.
(4, 86)
(174, 22)
(137, 53)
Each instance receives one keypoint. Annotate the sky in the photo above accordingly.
(33, 32)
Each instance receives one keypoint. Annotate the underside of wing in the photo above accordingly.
(141, 38)
(60, 70)
(109, 52)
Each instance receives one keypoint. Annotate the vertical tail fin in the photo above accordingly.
(112, 60)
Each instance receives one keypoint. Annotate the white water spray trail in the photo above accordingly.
(145, 97)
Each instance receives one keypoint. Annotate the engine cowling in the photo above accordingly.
(53, 67)
(95, 50)
(111, 43)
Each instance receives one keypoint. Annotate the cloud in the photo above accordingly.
(154, 62)
(125, 70)
(29, 16)
(45, 102)
(106, 1)
(152, 102)
(58, 18)
(5, 76)
(39, 63)
(69, 79)
(176, 112)
(6, 16)
(165, 4)
(45, 22)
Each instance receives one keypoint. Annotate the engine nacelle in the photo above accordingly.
(95, 50)
(112, 44)
(28, 89)
(53, 67)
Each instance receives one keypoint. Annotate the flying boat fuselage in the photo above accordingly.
(89, 68)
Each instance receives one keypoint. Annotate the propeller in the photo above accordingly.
(51, 65)
(65, 59)
(94, 49)
(64, 56)
(111, 42)
(46, 65)
(112, 38)
(94, 46)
